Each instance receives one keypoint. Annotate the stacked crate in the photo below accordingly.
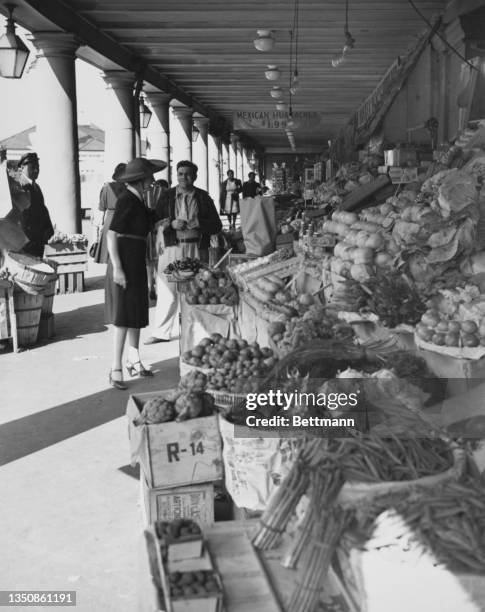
(179, 464)
(72, 263)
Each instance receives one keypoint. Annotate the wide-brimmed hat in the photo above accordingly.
(138, 169)
(28, 158)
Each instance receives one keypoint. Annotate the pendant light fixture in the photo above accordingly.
(349, 41)
(294, 40)
(13, 52)
(264, 41)
(272, 73)
(281, 106)
(276, 92)
(145, 113)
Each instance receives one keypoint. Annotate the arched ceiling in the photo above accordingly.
(205, 47)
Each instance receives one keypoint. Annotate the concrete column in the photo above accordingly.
(181, 132)
(225, 162)
(201, 151)
(119, 139)
(56, 138)
(240, 162)
(233, 154)
(159, 129)
(215, 168)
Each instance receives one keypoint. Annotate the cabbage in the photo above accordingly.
(457, 191)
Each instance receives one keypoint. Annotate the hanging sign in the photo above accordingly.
(276, 120)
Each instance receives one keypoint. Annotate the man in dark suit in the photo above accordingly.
(34, 220)
(251, 188)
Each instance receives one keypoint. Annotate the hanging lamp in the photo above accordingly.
(13, 52)
(349, 41)
(265, 40)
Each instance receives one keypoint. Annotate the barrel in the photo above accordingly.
(48, 295)
(28, 309)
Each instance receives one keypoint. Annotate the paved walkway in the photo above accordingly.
(69, 504)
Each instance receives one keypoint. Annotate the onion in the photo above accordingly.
(374, 241)
(360, 272)
(363, 255)
(361, 238)
(383, 260)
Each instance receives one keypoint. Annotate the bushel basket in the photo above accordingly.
(31, 274)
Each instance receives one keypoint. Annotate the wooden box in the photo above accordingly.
(72, 262)
(174, 454)
(195, 502)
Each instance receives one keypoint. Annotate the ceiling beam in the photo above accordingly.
(66, 18)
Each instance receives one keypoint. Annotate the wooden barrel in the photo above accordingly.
(31, 274)
(28, 309)
(48, 296)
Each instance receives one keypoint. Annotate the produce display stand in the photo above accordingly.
(72, 263)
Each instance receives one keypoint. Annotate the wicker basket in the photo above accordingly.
(226, 402)
(31, 274)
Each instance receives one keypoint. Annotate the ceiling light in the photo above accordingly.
(273, 73)
(265, 40)
(281, 106)
(276, 92)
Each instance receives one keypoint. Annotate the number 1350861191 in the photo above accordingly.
(37, 598)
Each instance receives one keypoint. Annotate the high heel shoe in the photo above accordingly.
(138, 369)
(117, 384)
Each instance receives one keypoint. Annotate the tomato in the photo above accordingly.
(470, 340)
(454, 326)
(439, 339)
(442, 326)
(431, 318)
(425, 333)
(469, 327)
(452, 339)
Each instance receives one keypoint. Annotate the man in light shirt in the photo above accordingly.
(191, 220)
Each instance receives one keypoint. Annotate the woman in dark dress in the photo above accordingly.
(108, 196)
(126, 296)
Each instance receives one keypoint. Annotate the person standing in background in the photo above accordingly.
(155, 238)
(35, 219)
(189, 218)
(229, 198)
(108, 197)
(251, 188)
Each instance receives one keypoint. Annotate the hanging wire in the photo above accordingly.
(291, 71)
(443, 38)
(349, 40)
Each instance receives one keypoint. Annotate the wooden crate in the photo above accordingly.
(194, 502)
(174, 454)
(70, 282)
(72, 262)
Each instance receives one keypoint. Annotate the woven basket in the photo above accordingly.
(30, 273)
(226, 402)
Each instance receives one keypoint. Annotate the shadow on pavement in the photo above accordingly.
(37, 431)
(79, 322)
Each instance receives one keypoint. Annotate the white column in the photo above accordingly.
(240, 162)
(119, 139)
(181, 132)
(233, 154)
(56, 139)
(215, 168)
(159, 129)
(201, 151)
